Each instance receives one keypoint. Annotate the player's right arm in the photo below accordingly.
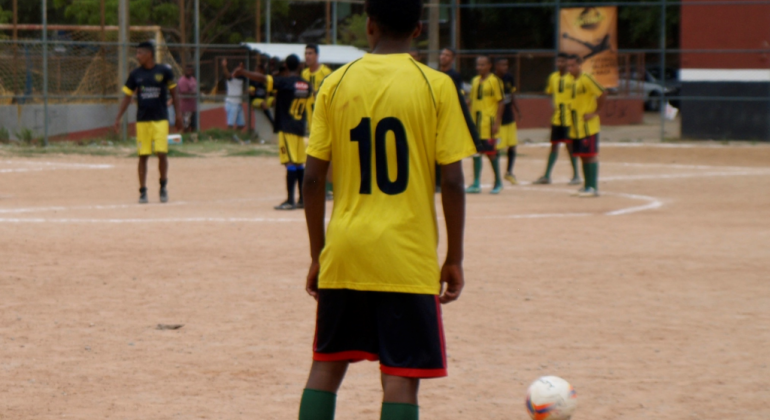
(128, 90)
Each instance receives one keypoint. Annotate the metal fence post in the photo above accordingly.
(557, 25)
(334, 23)
(268, 17)
(198, 65)
(45, 72)
(123, 37)
(663, 70)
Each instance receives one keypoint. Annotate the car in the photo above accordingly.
(650, 86)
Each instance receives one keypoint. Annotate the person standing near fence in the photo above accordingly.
(508, 137)
(487, 107)
(152, 84)
(188, 88)
(234, 100)
(588, 98)
(560, 88)
(315, 73)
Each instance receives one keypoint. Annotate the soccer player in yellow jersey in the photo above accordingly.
(508, 138)
(560, 88)
(384, 121)
(487, 106)
(315, 73)
(151, 84)
(588, 98)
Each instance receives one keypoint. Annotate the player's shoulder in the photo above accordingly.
(437, 79)
(591, 79)
(306, 72)
(335, 77)
(555, 75)
(326, 70)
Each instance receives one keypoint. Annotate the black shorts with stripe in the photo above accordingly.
(559, 134)
(403, 331)
(586, 147)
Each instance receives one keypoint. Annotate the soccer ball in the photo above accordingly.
(551, 398)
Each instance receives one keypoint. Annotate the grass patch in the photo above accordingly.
(254, 152)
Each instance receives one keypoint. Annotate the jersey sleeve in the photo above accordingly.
(549, 86)
(499, 94)
(269, 83)
(320, 144)
(456, 136)
(169, 76)
(593, 86)
(130, 86)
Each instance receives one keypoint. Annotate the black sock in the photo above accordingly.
(291, 179)
(511, 159)
(300, 179)
(163, 183)
(143, 190)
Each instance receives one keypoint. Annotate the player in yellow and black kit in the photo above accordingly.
(560, 88)
(315, 73)
(384, 121)
(151, 83)
(508, 138)
(588, 98)
(292, 96)
(487, 106)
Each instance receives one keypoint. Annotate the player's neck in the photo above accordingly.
(563, 72)
(445, 68)
(500, 75)
(149, 65)
(484, 76)
(314, 68)
(392, 46)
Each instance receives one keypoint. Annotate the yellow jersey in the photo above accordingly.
(486, 96)
(384, 121)
(560, 88)
(585, 90)
(315, 78)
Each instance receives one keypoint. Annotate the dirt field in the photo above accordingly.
(653, 300)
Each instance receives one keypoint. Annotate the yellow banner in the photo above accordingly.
(592, 33)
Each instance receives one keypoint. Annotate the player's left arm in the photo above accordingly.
(515, 105)
(500, 107)
(251, 75)
(314, 194)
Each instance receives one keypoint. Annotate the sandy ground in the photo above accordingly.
(653, 300)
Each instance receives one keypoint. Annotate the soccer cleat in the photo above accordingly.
(143, 196)
(578, 192)
(473, 189)
(576, 181)
(163, 195)
(286, 205)
(496, 190)
(512, 179)
(589, 192)
(300, 204)
(543, 181)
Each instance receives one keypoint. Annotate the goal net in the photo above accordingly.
(80, 68)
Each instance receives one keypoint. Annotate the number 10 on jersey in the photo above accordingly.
(363, 136)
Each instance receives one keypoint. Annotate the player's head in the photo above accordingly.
(292, 63)
(392, 20)
(189, 71)
(501, 66)
(145, 53)
(483, 65)
(446, 57)
(561, 61)
(311, 55)
(574, 65)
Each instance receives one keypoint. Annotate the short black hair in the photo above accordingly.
(450, 49)
(147, 45)
(313, 47)
(501, 59)
(397, 18)
(562, 55)
(575, 57)
(292, 62)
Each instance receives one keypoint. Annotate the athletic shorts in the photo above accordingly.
(488, 146)
(586, 147)
(559, 134)
(403, 331)
(508, 137)
(234, 115)
(291, 148)
(152, 136)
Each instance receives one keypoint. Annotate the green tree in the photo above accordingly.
(353, 31)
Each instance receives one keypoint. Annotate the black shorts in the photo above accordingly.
(403, 331)
(559, 134)
(487, 147)
(586, 147)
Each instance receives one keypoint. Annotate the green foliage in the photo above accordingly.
(26, 136)
(353, 31)
(6, 16)
(5, 136)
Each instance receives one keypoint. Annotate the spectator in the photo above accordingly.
(188, 88)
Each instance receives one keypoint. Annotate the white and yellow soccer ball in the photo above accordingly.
(551, 398)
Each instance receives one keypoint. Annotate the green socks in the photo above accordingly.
(477, 171)
(551, 161)
(496, 167)
(574, 161)
(317, 405)
(591, 174)
(396, 411)
(329, 187)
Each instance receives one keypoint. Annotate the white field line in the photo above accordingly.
(655, 145)
(676, 176)
(131, 206)
(167, 220)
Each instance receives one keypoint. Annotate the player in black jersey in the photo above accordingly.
(151, 83)
(508, 136)
(293, 94)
